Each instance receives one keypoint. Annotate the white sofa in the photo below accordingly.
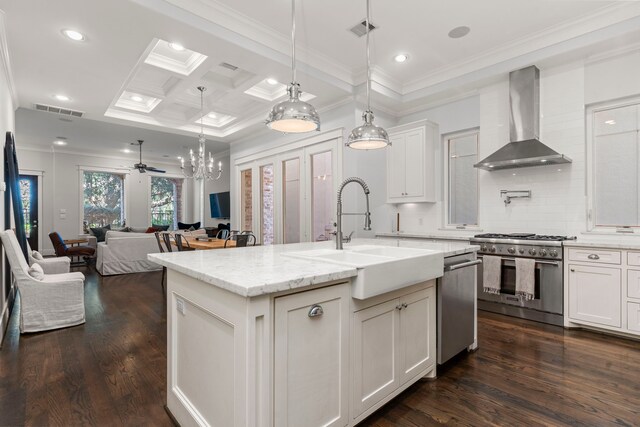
(126, 252)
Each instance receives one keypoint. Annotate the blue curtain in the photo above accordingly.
(12, 180)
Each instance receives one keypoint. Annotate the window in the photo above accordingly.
(614, 166)
(103, 199)
(461, 151)
(166, 201)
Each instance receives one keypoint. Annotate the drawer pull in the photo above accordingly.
(593, 256)
(573, 270)
(316, 311)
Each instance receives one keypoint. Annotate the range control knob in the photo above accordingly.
(493, 249)
(483, 248)
(511, 250)
(532, 251)
(521, 250)
(543, 252)
(553, 252)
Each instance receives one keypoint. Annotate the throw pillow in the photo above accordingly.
(100, 232)
(226, 226)
(36, 272)
(183, 226)
(159, 227)
(37, 255)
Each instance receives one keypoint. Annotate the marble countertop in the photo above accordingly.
(605, 242)
(453, 235)
(259, 270)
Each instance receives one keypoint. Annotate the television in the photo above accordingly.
(220, 205)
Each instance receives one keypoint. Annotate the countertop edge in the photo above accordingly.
(424, 236)
(602, 244)
(254, 291)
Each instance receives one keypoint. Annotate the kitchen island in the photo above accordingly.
(291, 335)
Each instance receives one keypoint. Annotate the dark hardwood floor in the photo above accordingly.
(111, 371)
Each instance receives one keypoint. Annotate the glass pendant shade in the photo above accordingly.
(368, 136)
(293, 115)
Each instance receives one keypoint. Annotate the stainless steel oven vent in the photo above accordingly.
(525, 149)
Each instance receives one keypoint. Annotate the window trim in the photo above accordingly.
(445, 179)
(125, 191)
(590, 177)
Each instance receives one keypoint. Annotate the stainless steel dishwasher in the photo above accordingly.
(457, 305)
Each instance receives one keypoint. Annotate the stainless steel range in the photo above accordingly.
(547, 305)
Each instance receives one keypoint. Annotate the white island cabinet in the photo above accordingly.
(256, 338)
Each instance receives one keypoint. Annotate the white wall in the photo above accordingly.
(558, 203)
(7, 123)
(61, 190)
(217, 186)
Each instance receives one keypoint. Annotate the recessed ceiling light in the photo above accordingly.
(272, 81)
(136, 98)
(610, 122)
(126, 150)
(179, 157)
(59, 142)
(459, 32)
(176, 46)
(402, 57)
(212, 115)
(73, 35)
(61, 97)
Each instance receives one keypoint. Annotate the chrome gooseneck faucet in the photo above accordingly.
(367, 214)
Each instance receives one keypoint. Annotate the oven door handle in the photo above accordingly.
(554, 263)
(462, 265)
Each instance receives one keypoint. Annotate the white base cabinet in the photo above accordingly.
(602, 289)
(311, 357)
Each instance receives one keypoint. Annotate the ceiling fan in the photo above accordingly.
(142, 168)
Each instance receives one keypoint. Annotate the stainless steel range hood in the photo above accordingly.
(524, 150)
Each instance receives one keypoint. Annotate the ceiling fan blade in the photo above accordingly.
(152, 169)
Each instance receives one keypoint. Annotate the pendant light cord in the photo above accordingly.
(368, 63)
(201, 89)
(293, 41)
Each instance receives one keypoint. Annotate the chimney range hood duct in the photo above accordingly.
(524, 150)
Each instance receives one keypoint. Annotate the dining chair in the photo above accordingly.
(240, 239)
(182, 243)
(166, 237)
(164, 269)
(223, 233)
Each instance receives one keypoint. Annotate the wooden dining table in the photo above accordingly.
(211, 244)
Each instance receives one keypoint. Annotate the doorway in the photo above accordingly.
(29, 195)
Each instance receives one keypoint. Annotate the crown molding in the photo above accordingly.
(631, 48)
(550, 38)
(6, 62)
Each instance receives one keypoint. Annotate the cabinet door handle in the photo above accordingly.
(316, 311)
(593, 256)
(573, 270)
(404, 305)
(399, 307)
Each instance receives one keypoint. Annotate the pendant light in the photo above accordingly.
(368, 136)
(293, 115)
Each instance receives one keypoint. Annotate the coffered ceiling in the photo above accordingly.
(126, 71)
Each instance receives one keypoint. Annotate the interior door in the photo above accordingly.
(29, 196)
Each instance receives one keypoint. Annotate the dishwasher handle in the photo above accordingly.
(462, 265)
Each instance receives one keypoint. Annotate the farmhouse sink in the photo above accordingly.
(381, 269)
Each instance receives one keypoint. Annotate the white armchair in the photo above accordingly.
(50, 265)
(56, 301)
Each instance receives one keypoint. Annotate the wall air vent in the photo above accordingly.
(228, 66)
(58, 110)
(360, 29)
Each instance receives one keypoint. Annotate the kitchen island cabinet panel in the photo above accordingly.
(311, 357)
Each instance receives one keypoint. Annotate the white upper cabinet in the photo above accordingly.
(411, 163)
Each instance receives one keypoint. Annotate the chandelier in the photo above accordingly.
(200, 167)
